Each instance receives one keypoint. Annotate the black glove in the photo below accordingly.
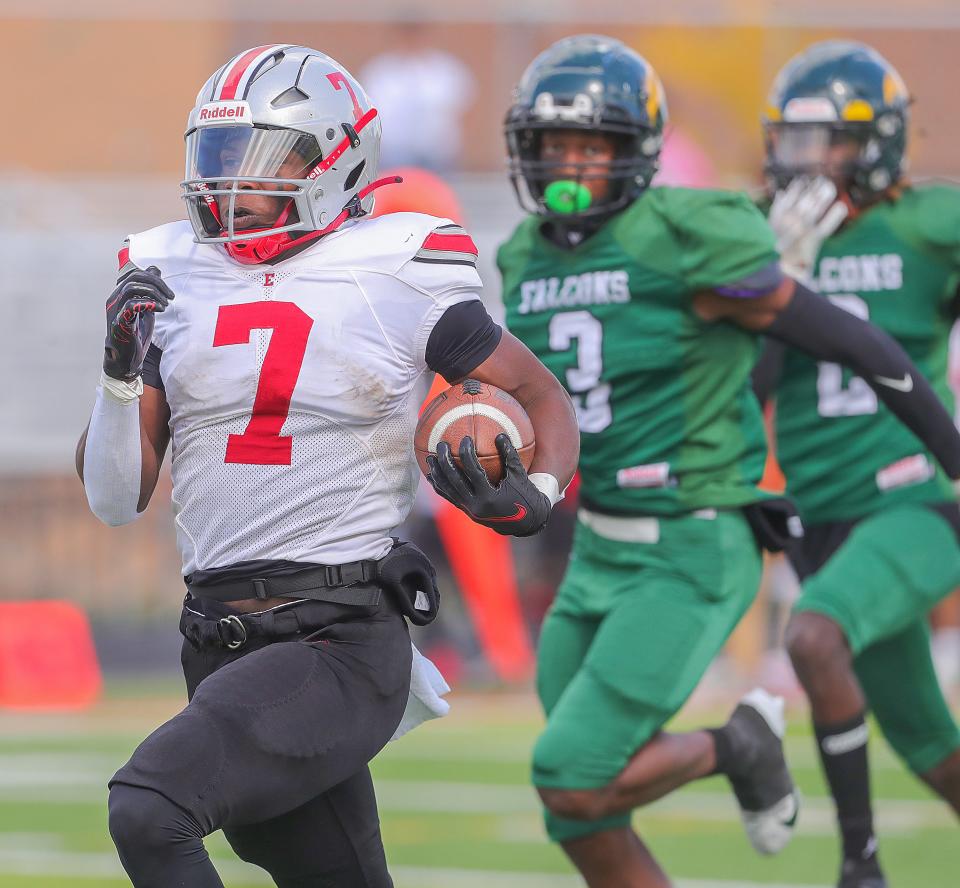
(515, 508)
(775, 523)
(130, 319)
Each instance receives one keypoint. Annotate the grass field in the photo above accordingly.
(457, 811)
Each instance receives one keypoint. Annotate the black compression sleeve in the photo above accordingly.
(463, 338)
(813, 324)
(151, 368)
(953, 308)
(766, 372)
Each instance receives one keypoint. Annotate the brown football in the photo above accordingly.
(481, 411)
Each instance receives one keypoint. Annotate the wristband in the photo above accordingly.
(120, 390)
(547, 485)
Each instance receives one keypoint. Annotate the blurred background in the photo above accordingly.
(95, 102)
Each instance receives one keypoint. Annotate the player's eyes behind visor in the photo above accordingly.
(232, 152)
(549, 160)
(223, 161)
(586, 154)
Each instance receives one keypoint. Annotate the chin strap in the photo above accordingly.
(262, 250)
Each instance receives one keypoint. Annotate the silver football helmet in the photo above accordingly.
(292, 124)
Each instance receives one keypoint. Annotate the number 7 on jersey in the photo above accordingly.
(261, 444)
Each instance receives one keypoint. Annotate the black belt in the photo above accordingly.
(352, 583)
(234, 630)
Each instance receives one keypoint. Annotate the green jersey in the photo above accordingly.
(844, 454)
(668, 421)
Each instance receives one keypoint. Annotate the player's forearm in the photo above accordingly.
(150, 464)
(112, 461)
(515, 369)
(557, 434)
(816, 326)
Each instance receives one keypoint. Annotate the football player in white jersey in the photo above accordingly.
(283, 341)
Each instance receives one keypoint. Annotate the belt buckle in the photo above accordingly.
(231, 621)
(333, 574)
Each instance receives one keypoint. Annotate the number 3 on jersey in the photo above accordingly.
(857, 398)
(590, 398)
(261, 444)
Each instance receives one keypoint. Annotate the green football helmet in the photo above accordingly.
(592, 83)
(838, 109)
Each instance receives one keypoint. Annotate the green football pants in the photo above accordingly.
(879, 587)
(633, 628)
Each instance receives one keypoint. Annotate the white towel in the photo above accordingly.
(427, 689)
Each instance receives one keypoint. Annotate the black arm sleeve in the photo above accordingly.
(953, 307)
(766, 372)
(151, 368)
(816, 326)
(463, 338)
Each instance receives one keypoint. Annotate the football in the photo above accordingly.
(481, 411)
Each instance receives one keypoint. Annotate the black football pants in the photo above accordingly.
(273, 749)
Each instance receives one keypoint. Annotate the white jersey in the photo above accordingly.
(294, 389)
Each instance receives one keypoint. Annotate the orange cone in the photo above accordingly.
(483, 565)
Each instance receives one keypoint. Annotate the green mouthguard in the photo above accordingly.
(566, 196)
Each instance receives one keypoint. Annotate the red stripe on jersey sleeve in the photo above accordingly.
(457, 243)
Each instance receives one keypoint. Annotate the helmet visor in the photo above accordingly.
(231, 169)
(818, 149)
(229, 152)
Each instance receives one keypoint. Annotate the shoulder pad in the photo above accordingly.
(678, 203)
(388, 243)
(171, 248)
(448, 245)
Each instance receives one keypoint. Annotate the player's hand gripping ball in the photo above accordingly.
(479, 411)
(475, 443)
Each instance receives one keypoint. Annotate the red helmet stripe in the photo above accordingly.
(343, 145)
(237, 70)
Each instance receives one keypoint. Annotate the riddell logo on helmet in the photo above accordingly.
(220, 113)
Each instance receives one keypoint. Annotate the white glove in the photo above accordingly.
(427, 689)
(802, 217)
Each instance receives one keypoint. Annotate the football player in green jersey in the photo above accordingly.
(647, 304)
(881, 519)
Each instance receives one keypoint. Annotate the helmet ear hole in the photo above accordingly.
(354, 176)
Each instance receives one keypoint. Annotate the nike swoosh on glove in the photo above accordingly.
(515, 508)
(131, 311)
